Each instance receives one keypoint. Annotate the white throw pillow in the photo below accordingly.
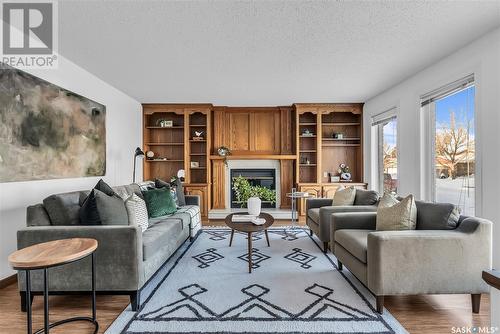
(137, 212)
(344, 196)
(394, 215)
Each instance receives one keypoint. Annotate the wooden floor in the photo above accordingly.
(418, 314)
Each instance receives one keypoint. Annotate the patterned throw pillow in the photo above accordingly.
(394, 215)
(344, 196)
(159, 202)
(137, 212)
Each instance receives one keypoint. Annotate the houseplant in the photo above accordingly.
(251, 196)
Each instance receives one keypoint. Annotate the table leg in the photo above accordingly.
(231, 239)
(267, 238)
(28, 302)
(250, 252)
(93, 288)
(46, 300)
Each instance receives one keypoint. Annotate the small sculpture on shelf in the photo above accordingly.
(307, 133)
(163, 123)
(337, 135)
(345, 173)
(198, 135)
(150, 155)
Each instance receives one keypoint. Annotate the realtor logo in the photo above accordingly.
(29, 34)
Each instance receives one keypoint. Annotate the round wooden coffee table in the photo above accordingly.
(249, 228)
(52, 254)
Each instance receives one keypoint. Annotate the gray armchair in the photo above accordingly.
(446, 261)
(319, 211)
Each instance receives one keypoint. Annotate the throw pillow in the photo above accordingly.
(159, 202)
(437, 216)
(366, 197)
(111, 209)
(181, 200)
(137, 212)
(161, 184)
(394, 215)
(88, 212)
(344, 196)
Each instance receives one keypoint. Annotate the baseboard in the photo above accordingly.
(8, 281)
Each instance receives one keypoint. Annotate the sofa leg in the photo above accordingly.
(380, 304)
(310, 232)
(476, 302)
(135, 300)
(23, 300)
(325, 247)
(339, 265)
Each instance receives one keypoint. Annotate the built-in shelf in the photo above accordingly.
(164, 127)
(307, 151)
(302, 136)
(198, 141)
(340, 124)
(165, 144)
(307, 124)
(195, 168)
(307, 165)
(198, 154)
(340, 139)
(160, 160)
(197, 125)
(340, 145)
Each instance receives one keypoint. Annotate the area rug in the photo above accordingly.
(293, 288)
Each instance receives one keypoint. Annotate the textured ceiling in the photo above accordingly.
(264, 52)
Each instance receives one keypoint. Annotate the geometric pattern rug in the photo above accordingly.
(293, 288)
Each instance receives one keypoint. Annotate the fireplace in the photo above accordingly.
(256, 177)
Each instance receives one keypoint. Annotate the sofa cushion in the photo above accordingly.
(366, 197)
(393, 215)
(162, 232)
(436, 216)
(63, 209)
(314, 215)
(344, 196)
(354, 241)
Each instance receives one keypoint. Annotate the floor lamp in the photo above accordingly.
(138, 153)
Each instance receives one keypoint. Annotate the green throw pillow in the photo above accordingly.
(159, 202)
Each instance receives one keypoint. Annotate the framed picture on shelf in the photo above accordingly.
(195, 164)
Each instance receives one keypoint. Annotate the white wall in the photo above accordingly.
(123, 135)
(482, 58)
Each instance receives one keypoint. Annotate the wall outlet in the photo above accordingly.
(325, 174)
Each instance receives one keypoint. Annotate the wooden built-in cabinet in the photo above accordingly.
(277, 133)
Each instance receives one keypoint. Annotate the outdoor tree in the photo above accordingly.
(453, 146)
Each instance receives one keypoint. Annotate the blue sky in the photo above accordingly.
(462, 104)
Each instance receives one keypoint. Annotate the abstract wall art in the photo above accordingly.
(48, 132)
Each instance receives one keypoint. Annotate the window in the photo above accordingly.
(387, 156)
(452, 146)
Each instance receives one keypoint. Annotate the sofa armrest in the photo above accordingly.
(429, 261)
(192, 200)
(325, 217)
(313, 203)
(118, 258)
(353, 220)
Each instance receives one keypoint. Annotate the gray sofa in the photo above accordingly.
(319, 211)
(421, 261)
(126, 257)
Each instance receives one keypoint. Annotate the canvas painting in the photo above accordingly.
(48, 132)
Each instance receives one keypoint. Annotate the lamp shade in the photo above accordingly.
(139, 152)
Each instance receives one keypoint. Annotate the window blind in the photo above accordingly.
(446, 90)
(385, 116)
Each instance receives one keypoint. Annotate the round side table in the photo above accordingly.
(53, 254)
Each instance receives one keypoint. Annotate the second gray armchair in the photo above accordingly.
(319, 211)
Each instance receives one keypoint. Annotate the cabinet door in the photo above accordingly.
(265, 132)
(314, 190)
(202, 192)
(329, 191)
(239, 131)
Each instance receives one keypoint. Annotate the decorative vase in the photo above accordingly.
(253, 205)
(345, 176)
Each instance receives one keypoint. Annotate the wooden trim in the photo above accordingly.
(256, 156)
(5, 282)
(492, 277)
